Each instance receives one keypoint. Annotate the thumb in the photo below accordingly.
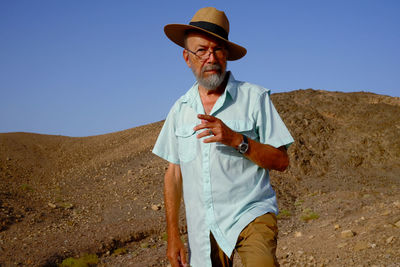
(183, 257)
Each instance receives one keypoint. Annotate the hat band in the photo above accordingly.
(211, 27)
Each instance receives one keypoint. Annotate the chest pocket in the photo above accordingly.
(244, 127)
(187, 143)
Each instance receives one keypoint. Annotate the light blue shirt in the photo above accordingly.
(223, 190)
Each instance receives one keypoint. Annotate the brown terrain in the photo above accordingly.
(100, 198)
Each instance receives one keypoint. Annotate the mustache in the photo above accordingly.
(211, 67)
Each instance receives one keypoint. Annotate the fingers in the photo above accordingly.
(207, 121)
(205, 133)
(176, 253)
(183, 257)
(211, 140)
(174, 262)
(173, 257)
(179, 260)
(203, 126)
(206, 117)
(214, 128)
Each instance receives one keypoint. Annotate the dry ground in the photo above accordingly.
(63, 197)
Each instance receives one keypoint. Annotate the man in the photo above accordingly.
(220, 139)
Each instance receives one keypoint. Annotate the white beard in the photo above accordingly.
(211, 82)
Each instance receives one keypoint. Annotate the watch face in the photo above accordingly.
(243, 148)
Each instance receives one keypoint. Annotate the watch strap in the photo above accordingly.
(244, 145)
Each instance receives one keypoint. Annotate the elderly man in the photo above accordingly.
(221, 139)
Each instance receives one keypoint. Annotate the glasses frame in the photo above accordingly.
(209, 53)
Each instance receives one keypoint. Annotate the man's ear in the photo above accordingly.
(186, 58)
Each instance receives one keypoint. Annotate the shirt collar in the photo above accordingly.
(193, 93)
(231, 86)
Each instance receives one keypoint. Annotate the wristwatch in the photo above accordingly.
(243, 146)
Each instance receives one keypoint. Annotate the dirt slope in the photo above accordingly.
(62, 197)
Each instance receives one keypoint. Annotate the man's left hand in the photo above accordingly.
(218, 131)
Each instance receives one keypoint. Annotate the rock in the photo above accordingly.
(156, 207)
(397, 204)
(389, 240)
(386, 213)
(397, 224)
(337, 226)
(144, 245)
(360, 246)
(347, 233)
(51, 205)
(298, 234)
(341, 245)
(68, 206)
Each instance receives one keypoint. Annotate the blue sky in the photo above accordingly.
(89, 67)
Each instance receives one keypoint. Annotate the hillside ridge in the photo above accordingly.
(65, 196)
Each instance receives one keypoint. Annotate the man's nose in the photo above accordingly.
(211, 57)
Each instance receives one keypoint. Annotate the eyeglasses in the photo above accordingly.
(204, 54)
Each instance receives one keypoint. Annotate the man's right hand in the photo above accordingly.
(176, 252)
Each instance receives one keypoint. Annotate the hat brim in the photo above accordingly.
(176, 33)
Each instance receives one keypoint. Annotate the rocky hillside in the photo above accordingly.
(101, 196)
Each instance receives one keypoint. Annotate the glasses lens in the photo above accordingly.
(202, 53)
(205, 54)
(219, 53)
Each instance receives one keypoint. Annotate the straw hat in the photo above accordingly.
(208, 20)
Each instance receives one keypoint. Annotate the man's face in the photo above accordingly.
(209, 72)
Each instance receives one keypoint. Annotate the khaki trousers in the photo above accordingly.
(256, 244)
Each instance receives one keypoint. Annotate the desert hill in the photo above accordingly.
(62, 197)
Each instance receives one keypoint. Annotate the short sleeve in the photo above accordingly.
(271, 129)
(166, 145)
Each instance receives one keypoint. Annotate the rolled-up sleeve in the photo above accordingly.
(271, 129)
(166, 145)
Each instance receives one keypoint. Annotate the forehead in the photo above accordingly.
(201, 39)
